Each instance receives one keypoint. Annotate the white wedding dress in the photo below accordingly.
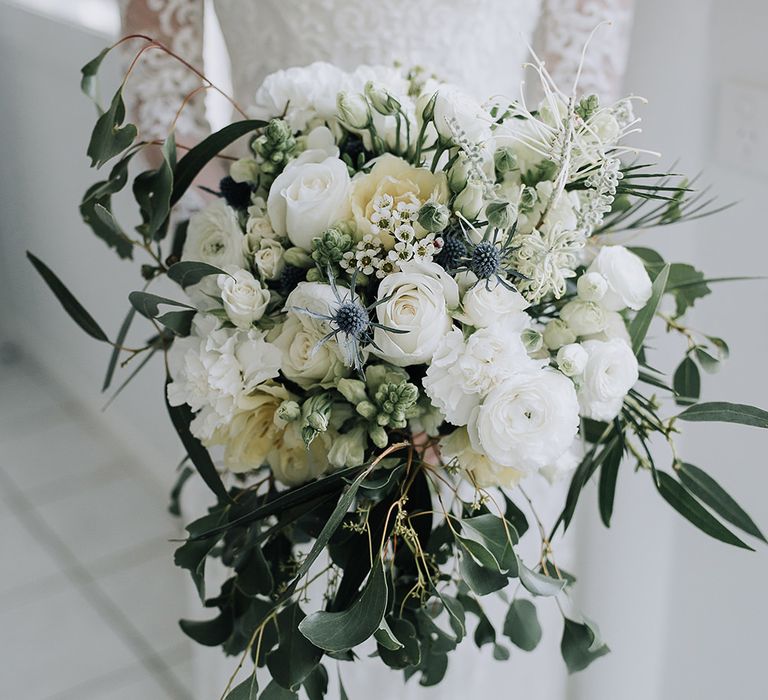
(478, 44)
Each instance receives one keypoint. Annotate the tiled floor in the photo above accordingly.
(89, 596)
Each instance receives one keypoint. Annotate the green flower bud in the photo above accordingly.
(528, 199)
(288, 411)
(378, 436)
(533, 340)
(298, 257)
(434, 217)
(329, 248)
(458, 174)
(504, 160)
(380, 99)
(353, 110)
(429, 109)
(394, 400)
(587, 106)
(366, 409)
(353, 390)
(314, 275)
(501, 214)
(376, 375)
(277, 131)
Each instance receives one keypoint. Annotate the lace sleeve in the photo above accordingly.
(159, 83)
(564, 30)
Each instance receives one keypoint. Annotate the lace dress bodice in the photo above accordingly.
(480, 45)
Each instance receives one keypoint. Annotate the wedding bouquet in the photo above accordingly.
(401, 305)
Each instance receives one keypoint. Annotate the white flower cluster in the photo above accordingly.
(408, 226)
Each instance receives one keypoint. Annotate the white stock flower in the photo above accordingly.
(572, 359)
(611, 371)
(244, 299)
(419, 298)
(491, 303)
(214, 236)
(304, 360)
(628, 282)
(583, 317)
(527, 421)
(268, 258)
(308, 197)
(456, 449)
(463, 372)
(591, 286)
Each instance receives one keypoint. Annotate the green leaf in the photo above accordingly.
(539, 584)
(316, 683)
(148, 305)
(725, 412)
(710, 492)
(481, 579)
(189, 272)
(338, 631)
(192, 554)
(342, 692)
(578, 645)
(684, 503)
(385, 637)
(247, 690)
(209, 633)
(609, 472)
(638, 329)
(409, 653)
(190, 166)
(708, 362)
(722, 347)
(152, 190)
(687, 382)
(496, 536)
(456, 615)
(687, 285)
(295, 657)
(255, 576)
(180, 322)
(515, 516)
(71, 305)
(109, 138)
(181, 417)
(121, 335)
(274, 691)
(89, 72)
(500, 653)
(522, 626)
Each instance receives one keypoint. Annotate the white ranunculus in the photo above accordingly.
(628, 282)
(305, 95)
(419, 298)
(268, 258)
(557, 333)
(572, 359)
(562, 467)
(455, 109)
(307, 198)
(244, 299)
(456, 449)
(615, 327)
(527, 421)
(583, 317)
(214, 236)
(591, 286)
(463, 372)
(611, 371)
(304, 360)
(489, 303)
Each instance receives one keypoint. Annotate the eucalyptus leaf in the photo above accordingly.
(316, 683)
(89, 72)
(522, 626)
(275, 691)
(687, 382)
(209, 633)
(337, 631)
(481, 579)
(638, 329)
(193, 553)
(152, 190)
(539, 584)
(408, 654)
(148, 305)
(578, 646)
(189, 272)
(109, 137)
(684, 503)
(500, 652)
(386, 638)
(705, 488)
(180, 322)
(724, 412)
(121, 335)
(247, 690)
(71, 305)
(295, 657)
(494, 535)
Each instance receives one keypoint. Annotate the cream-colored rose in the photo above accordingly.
(489, 303)
(294, 463)
(308, 197)
(251, 435)
(393, 177)
(244, 299)
(583, 317)
(268, 259)
(456, 450)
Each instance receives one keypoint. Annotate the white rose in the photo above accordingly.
(244, 299)
(292, 462)
(268, 259)
(628, 283)
(469, 202)
(591, 286)
(572, 359)
(456, 449)
(610, 373)
(527, 421)
(307, 198)
(304, 359)
(557, 333)
(418, 300)
(583, 317)
(462, 373)
(491, 303)
(214, 237)
(456, 109)
(615, 327)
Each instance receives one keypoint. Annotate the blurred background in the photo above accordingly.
(89, 598)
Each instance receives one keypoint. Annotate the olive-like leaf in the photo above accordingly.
(687, 382)
(638, 329)
(724, 412)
